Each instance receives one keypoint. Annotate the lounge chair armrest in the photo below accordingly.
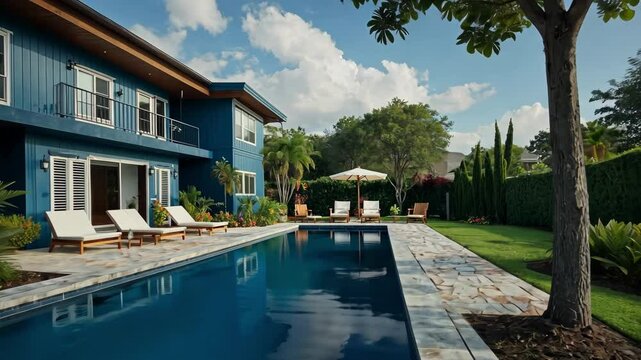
(410, 211)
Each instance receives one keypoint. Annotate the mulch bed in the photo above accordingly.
(599, 277)
(27, 277)
(533, 337)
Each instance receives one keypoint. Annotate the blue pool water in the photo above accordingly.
(308, 295)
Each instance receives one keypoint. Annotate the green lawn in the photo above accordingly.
(510, 247)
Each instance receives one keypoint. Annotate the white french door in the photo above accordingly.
(93, 97)
(152, 115)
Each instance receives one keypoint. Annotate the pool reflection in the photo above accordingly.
(335, 297)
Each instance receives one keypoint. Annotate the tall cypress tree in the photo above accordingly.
(499, 174)
(509, 140)
(476, 182)
(466, 191)
(488, 177)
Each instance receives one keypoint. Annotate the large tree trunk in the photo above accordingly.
(569, 303)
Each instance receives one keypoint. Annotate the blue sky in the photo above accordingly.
(316, 61)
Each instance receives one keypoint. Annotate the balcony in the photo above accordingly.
(99, 109)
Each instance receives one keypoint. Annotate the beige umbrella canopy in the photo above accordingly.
(357, 174)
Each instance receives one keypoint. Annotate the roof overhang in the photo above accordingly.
(248, 97)
(94, 32)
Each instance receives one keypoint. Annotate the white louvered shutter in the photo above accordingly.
(58, 184)
(78, 177)
(163, 186)
(68, 184)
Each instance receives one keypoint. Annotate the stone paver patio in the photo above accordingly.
(440, 279)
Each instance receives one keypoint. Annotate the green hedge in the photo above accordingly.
(319, 195)
(614, 187)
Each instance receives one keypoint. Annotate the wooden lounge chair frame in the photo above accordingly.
(418, 209)
(113, 238)
(196, 225)
(371, 217)
(333, 217)
(141, 232)
(301, 213)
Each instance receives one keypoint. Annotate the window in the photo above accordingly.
(152, 115)
(247, 183)
(68, 184)
(163, 191)
(4, 67)
(93, 96)
(244, 126)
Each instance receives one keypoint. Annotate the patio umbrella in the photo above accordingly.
(359, 175)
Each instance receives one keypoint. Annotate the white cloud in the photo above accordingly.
(528, 120)
(171, 42)
(193, 14)
(208, 64)
(319, 85)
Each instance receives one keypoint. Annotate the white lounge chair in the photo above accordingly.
(371, 211)
(182, 218)
(340, 211)
(73, 227)
(130, 221)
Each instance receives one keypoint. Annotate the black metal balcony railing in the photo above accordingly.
(99, 109)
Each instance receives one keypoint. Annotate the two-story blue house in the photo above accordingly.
(92, 117)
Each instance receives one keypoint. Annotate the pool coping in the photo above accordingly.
(436, 332)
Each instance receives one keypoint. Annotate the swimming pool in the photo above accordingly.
(307, 295)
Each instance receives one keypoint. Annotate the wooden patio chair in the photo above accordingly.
(418, 213)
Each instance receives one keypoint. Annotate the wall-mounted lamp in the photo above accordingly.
(71, 64)
(44, 163)
(175, 173)
(152, 170)
(119, 92)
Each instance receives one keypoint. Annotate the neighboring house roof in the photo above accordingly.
(528, 157)
(449, 162)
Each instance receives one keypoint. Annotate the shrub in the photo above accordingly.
(196, 205)
(160, 214)
(30, 230)
(394, 210)
(228, 217)
(268, 211)
(617, 245)
(613, 186)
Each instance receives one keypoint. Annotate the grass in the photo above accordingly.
(511, 247)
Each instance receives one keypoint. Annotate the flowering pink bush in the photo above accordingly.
(478, 220)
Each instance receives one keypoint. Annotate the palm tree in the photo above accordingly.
(597, 139)
(227, 175)
(287, 155)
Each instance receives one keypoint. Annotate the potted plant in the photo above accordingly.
(394, 210)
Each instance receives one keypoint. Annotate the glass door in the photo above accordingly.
(161, 117)
(144, 113)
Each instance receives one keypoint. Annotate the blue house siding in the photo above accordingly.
(38, 146)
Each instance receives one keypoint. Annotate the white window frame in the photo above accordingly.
(96, 74)
(153, 114)
(6, 34)
(245, 112)
(243, 184)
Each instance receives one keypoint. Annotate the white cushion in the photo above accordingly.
(205, 224)
(180, 215)
(416, 216)
(341, 207)
(70, 223)
(370, 205)
(159, 231)
(371, 213)
(88, 237)
(127, 219)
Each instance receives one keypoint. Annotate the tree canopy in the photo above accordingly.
(623, 105)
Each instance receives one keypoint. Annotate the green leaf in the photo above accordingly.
(626, 14)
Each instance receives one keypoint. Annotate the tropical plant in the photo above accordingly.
(196, 205)
(7, 231)
(268, 211)
(228, 176)
(246, 215)
(287, 156)
(228, 217)
(617, 245)
(395, 210)
(30, 230)
(484, 26)
(159, 214)
(597, 140)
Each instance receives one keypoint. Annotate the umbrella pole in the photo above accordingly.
(358, 196)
